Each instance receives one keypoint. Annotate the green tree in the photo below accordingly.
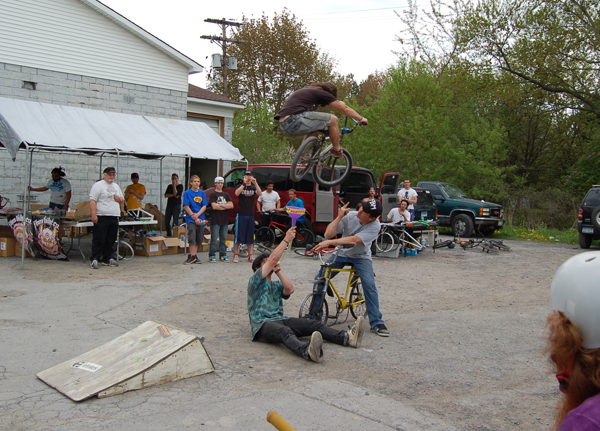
(277, 56)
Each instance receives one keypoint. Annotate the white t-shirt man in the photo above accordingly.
(395, 216)
(407, 194)
(104, 195)
(58, 190)
(269, 200)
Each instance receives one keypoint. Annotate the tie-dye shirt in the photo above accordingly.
(265, 301)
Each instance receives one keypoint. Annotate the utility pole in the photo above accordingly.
(222, 41)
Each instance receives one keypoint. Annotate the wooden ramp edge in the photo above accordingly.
(148, 355)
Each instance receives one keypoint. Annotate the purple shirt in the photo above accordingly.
(586, 417)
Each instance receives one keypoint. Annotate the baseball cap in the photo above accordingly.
(110, 170)
(219, 180)
(248, 172)
(372, 207)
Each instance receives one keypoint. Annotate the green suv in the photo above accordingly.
(462, 214)
(588, 224)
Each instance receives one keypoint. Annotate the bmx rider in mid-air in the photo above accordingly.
(297, 116)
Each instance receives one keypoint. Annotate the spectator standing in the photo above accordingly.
(106, 205)
(244, 222)
(270, 201)
(60, 189)
(134, 194)
(295, 202)
(410, 195)
(173, 194)
(220, 202)
(194, 203)
(372, 194)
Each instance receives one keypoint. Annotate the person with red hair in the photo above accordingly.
(574, 341)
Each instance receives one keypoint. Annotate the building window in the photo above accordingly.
(29, 85)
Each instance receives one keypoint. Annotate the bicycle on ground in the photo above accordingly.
(314, 155)
(486, 245)
(394, 235)
(352, 300)
(275, 231)
(124, 250)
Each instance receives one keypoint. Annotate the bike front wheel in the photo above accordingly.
(303, 237)
(264, 236)
(125, 251)
(384, 242)
(331, 171)
(305, 158)
(305, 308)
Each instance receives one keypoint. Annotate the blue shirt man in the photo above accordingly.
(295, 202)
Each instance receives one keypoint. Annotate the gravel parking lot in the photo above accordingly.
(465, 352)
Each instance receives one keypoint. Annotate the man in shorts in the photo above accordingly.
(297, 116)
(194, 203)
(244, 222)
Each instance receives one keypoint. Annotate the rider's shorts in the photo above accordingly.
(305, 123)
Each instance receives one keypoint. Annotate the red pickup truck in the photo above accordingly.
(321, 203)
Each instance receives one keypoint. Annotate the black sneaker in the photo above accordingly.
(196, 260)
(189, 260)
(381, 330)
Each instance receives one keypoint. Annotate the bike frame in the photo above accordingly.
(330, 272)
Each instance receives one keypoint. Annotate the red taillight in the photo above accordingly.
(580, 215)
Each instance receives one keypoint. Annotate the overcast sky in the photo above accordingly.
(359, 34)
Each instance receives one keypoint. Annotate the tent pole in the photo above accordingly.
(26, 200)
(100, 173)
(160, 219)
(118, 171)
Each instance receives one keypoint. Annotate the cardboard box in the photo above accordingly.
(7, 247)
(160, 217)
(178, 231)
(170, 246)
(34, 207)
(153, 245)
(18, 250)
(81, 210)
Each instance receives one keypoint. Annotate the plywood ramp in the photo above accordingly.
(149, 355)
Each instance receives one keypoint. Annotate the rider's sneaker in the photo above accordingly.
(236, 259)
(356, 332)
(337, 153)
(315, 347)
(94, 264)
(224, 259)
(212, 259)
(381, 330)
(196, 260)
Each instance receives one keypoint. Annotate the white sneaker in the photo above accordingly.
(315, 348)
(94, 264)
(355, 333)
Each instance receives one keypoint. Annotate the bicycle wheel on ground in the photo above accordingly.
(358, 306)
(303, 237)
(442, 244)
(304, 158)
(261, 248)
(384, 242)
(304, 252)
(499, 245)
(125, 251)
(264, 236)
(305, 308)
(331, 171)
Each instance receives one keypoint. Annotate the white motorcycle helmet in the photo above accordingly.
(575, 290)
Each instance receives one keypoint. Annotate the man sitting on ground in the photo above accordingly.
(265, 310)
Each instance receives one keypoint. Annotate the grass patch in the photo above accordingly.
(540, 234)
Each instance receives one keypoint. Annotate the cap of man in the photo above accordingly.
(372, 207)
(248, 173)
(219, 180)
(110, 170)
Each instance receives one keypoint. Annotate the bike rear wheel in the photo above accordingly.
(125, 251)
(331, 171)
(305, 158)
(305, 308)
(384, 242)
(264, 236)
(303, 237)
(358, 306)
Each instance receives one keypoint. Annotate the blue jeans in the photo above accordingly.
(218, 233)
(364, 269)
(172, 212)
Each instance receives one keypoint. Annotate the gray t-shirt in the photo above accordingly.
(349, 226)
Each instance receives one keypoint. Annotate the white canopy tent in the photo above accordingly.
(37, 126)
